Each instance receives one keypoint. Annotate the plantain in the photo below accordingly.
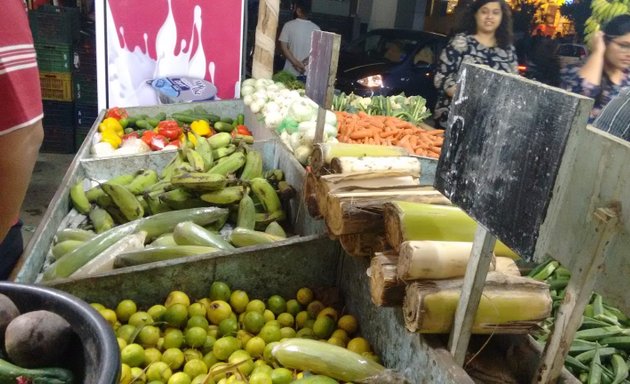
(242, 237)
(232, 163)
(143, 203)
(219, 140)
(274, 175)
(223, 151)
(198, 181)
(154, 203)
(144, 179)
(262, 220)
(79, 199)
(101, 220)
(116, 214)
(126, 201)
(168, 170)
(122, 179)
(204, 149)
(285, 190)
(225, 196)
(275, 229)
(253, 165)
(246, 213)
(104, 200)
(63, 247)
(160, 186)
(180, 199)
(94, 193)
(195, 160)
(266, 194)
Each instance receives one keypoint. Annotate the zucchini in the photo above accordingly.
(9, 374)
(325, 359)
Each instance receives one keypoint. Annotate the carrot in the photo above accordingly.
(361, 134)
(435, 132)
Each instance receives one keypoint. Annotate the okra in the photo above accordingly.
(578, 346)
(620, 368)
(587, 356)
(575, 364)
(598, 333)
(621, 342)
(595, 373)
(590, 322)
(598, 304)
(544, 270)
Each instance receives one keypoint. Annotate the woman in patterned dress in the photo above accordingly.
(486, 39)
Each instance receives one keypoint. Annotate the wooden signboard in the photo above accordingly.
(502, 151)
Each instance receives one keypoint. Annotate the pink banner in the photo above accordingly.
(150, 39)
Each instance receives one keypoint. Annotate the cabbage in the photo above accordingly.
(302, 110)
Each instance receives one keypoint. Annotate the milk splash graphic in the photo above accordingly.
(130, 68)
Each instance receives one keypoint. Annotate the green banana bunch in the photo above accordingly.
(79, 198)
(199, 181)
(225, 196)
(179, 198)
(231, 164)
(195, 160)
(262, 220)
(266, 194)
(242, 237)
(122, 179)
(170, 168)
(602, 12)
(219, 140)
(143, 179)
(101, 219)
(222, 152)
(253, 165)
(155, 204)
(126, 201)
(205, 151)
(246, 217)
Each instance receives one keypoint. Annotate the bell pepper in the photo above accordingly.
(201, 127)
(175, 143)
(169, 129)
(154, 140)
(111, 124)
(116, 113)
(243, 130)
(112, 138)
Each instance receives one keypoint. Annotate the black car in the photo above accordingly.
(390, 61)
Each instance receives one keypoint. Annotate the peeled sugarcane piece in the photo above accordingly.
(509, 304)
(506, 266)
(386, 289)
(405, 165)
(363, 244)
(430, 259)
(405, 221)
(362, 211)
(323, 153)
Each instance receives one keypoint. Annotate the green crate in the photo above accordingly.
(59, 25)
(85, 90)
(54, 57)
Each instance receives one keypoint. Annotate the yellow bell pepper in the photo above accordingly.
(113, 125)
(193, 140)
(111, 137)
(201, 127)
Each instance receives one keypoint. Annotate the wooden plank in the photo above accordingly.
(578, 293)
(502, 151)
(594, 173)
(472, 288)
(265, 39)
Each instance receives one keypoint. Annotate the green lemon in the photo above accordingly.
(152, 355)
(324, 327)
(177, 297)
(281, 376)
(255, 346)
(267, 356)
(219, 291)
(159, 371)
(198, 321)
(195, 367)
(293, 307)
(132, 355)
(287, 333)
(126, 332)
(314, 307)
(224, 347)
(253, 322)
(301, 318)
(125, 309)
(176, 315)
(195, 337)
(156, 312)
(277, 304)
(140, 319)
(208, 344)
(270, 333)
(192, 354)
(219, 310)
(173, 338)
(196, 309)
(174, 357)
(228, 327)
(286, 319)
(210, 359)
(125, 374)
(243, 336)
(148, 336)
(239, 301)
(138, 375)
(179, 378)
(260, 378)
(243, 360)
(268, 315)
(256, 305)
(306, 333)
(304, 296)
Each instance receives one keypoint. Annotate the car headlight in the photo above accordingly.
(375, 81)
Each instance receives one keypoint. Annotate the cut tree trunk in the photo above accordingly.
(363, 244)
(310, 195)
(386, 290)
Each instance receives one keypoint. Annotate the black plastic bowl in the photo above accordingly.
(94, 357)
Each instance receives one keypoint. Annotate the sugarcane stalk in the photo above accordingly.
(509, 304)
(404, 164)
(386, 289)
(323, 153)
(406, 221)
(310, 195)
(363, 244)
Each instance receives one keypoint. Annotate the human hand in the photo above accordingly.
(598, 46)
(299, 66)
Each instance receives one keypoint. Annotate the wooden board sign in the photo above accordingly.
(502, 150)
(322, 67)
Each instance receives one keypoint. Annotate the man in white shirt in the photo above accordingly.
(295, 38)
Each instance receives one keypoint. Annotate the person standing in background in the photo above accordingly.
(295, 38)
(486, 39)
(21, 131)
(606, 71)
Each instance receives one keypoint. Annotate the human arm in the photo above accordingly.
(18, 154)
(448, 64)
(297, 64)
(593, 68)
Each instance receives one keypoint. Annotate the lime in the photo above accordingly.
(268, 315)
(255, 346)
(195, 337)
(202, 379)
(267, 356)
(156, 312)
(177, 297)
(275, 323)
(309, 323)
(173, 338)
(159, 371)
(132, 355)
(192, 354)
(125, 374)
(281, 376)
(228, 327)
(179, 378)
(219, 291)
(206, 303)
(122, 343)
(219, 310)
(314, 307)
(348, 323)
(140, 319)
(198, 321)
(176, 315)
(138, 375)
(270, 333)
(324, 327)
(286, 319)
(256, 305)
(260, 363)
(253, 322)
(210, 359)
(174, 357)
(218, 371)
(301, 318)
(126, 332)
(277, 304)
(148, 336)
(195, 367)
(341, 335)
(304, 296)
(293, 307)
(243, 336)
(337, 342)
(197, 309)
(359, 345)
(306, 333)
(109, 316)
(260, 378)
(224, 347)
(152, 355)
(262, 368)
(213, 330)
(98, 306)
(287, 333)
(242, 360)
(239, 301)
(124, 309)
(208, 344)
(330, 312)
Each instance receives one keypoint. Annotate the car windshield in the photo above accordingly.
(391, 48)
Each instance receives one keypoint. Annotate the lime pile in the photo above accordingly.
(225, 338)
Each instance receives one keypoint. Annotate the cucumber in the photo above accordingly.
(9, 374)
(222, 126)
(325, 359)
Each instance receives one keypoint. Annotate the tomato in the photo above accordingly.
(117, 113)
(243, 130)
(169, 129)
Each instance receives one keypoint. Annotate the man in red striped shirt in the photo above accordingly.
(21, 131)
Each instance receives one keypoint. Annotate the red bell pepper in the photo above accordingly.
(117, 113)
(169, 129)
(130, 135)
(175, 143)
(243, 130)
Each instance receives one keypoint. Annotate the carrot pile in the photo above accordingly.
(361, 128)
